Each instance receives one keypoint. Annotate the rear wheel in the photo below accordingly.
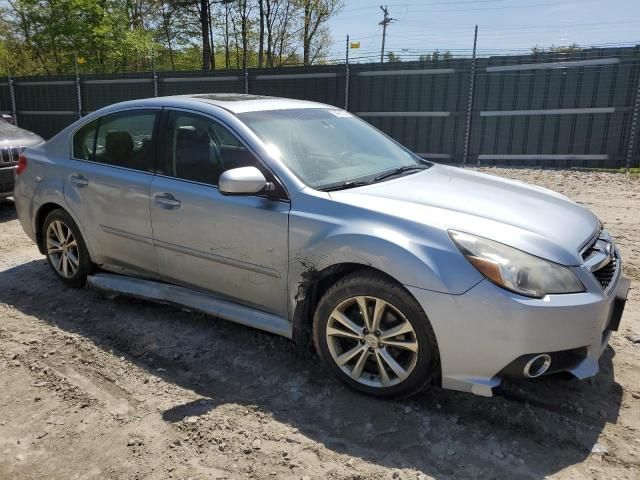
(373, 335)
(65, 249)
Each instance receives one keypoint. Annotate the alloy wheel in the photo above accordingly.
(62, 249)
(372, 342)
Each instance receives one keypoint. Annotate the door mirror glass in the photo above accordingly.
(242, 181)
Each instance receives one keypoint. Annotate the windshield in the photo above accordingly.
(330, 147)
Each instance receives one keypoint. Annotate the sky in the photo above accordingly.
(504, 26)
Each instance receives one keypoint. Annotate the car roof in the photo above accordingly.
(240, 102)
(233, 102)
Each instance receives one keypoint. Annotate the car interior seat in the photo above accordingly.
(118, 148)
(195, 157)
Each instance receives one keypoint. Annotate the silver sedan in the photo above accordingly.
(300, 219)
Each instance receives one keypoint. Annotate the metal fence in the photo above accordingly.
(577, 109)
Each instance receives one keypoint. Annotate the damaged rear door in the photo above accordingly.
(233, 246)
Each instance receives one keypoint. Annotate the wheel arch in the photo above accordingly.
(40, 216)
(316, 283)
(44, 210)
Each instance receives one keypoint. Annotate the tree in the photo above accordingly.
(15, 58)
(44, 36)
(315, 14)
(392, 57)
(166, 12)
(574, 47)
(244, 11)
(261, 34)
(435, 56)
(205, 22)
(280, 16)
(202, 10)
(104, 33)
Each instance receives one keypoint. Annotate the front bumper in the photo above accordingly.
(6, 181)
(482, 332)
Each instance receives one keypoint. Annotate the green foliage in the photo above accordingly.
(574, 47)
(53, 32)
(435, 56)
(393, 58)
(108, 36)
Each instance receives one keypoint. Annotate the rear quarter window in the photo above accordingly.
(84, 141)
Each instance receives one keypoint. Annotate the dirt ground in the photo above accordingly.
(124, 389)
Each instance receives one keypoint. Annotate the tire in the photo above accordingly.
(59, 223)
(415, 351)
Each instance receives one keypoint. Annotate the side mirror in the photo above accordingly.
(242, 181)
(8, 118)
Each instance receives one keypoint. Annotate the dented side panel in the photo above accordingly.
(234, 246)
(414, 256)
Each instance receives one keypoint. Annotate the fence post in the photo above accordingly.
(78, 91)
(155, 74)
(467, 129)
(346, 77)
(12, 94)
(246, 81)
(634, 124)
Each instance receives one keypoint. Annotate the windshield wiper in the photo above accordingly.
(399, 171)
(360, 183)
(344, 186)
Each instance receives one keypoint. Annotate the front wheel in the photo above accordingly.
(374, 336)
(66, 251)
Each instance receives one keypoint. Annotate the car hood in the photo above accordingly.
(12, 136)
(531, 218)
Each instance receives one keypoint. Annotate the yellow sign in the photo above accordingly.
(81, 60)
(355, 45)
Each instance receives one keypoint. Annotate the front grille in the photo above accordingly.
(9, 155)
(607, 273)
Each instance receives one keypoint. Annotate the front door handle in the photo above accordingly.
(78, 179)
(167, 201)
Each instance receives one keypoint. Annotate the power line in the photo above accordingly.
(406, 4)
(533, 5)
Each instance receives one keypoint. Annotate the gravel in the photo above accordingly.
(130, 389)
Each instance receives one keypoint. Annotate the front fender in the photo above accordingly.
(428, 261)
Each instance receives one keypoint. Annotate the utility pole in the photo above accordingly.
(78, 92)
(385, 21)
(346, 77)
(472, 79)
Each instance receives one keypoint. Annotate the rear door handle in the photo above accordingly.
(78, 179)
(167, 201)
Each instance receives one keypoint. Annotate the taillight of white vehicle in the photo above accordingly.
(22, 164)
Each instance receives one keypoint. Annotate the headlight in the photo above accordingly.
(515, 270)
